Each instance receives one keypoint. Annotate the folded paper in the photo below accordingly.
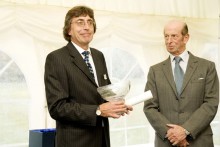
(139, 98)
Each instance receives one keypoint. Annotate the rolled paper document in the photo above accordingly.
(139, 98)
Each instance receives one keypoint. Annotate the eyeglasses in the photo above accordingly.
(82, 23)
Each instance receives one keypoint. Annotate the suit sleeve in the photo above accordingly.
(151, 108)
(203, 116)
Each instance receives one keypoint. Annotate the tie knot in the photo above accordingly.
(177, 59)
(86, 53)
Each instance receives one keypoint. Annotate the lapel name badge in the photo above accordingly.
(105, 76)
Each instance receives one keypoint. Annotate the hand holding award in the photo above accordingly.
(118, 91)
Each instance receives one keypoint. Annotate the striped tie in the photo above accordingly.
(86, 59)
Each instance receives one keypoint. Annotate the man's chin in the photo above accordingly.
(171, 50)
(87, 40)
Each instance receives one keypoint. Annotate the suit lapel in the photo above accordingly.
(78, 61)
(191, 67)
(98, 65)
(167, 69)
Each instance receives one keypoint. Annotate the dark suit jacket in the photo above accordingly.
(196, 107)
(72, 97)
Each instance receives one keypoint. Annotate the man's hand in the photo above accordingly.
(129, 108)
(114, 109)
(176, 134)
(183, 143)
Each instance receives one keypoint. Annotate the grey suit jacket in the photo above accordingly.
(196, 107)
(72, 97)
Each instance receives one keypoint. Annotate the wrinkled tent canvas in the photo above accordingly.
(30, 29)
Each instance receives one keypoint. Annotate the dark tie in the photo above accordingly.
(178, 74)
(86, 59)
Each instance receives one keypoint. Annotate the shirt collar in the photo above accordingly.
(184, 56)
(80, 50)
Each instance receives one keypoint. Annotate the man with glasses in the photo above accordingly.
(72, 75)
